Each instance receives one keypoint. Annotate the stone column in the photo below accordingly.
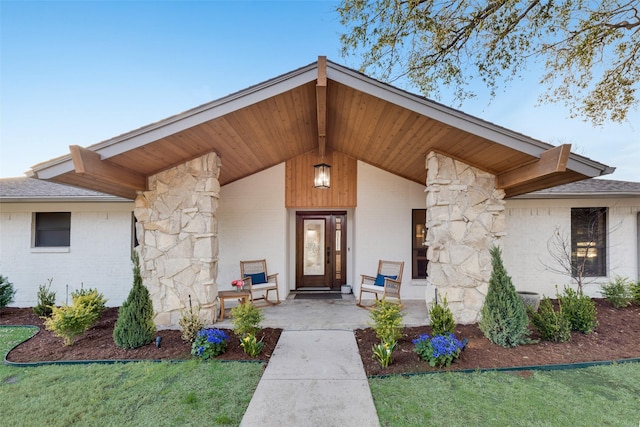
(177, 232)
(465, 217)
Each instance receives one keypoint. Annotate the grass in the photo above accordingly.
(127, 394)
(602, 395)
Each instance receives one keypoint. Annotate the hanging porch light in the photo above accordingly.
(322, 176)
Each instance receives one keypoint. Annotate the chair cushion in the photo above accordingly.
(380, 279)
(257, 278)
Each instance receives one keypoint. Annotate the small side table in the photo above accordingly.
(241, 296)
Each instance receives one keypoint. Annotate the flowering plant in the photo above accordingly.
(440, 350)
(239, 284)
(209, 343)
(383, 351)
(251, 345)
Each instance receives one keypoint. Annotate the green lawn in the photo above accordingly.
(127, 394)
(596, 396)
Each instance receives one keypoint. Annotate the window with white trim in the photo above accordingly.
(52, 229)
(589, 242)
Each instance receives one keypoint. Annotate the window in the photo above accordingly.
(52, 229)
(589, 242)
(418, 246)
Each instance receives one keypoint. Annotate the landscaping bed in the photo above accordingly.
(97, 343)
(616, 337)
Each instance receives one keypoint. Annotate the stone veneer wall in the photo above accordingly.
(465, 217)
(177, 232)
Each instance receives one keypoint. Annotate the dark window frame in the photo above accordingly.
(419, 260)
(52, 229)
(589, 242)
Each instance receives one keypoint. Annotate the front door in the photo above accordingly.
(321, 241)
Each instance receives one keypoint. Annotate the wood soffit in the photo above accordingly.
(319, 116)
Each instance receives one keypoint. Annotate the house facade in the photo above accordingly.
(232, 180)
(597, 221)
(71, 236)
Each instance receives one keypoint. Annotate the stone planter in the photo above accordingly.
(531, 299)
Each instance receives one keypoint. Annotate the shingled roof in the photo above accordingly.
(25, 189)
(588, 188)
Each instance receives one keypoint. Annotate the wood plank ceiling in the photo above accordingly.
(359, 125)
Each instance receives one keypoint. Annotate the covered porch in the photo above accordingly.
(226, 182)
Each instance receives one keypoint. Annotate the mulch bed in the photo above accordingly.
(97, 343)
(616, 337)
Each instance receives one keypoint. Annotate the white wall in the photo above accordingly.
(531, 223)
(99, 255)
(252, 224)
(383, 226)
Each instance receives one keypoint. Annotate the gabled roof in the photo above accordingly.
(589, 188)
(320, 106)
(25, 189)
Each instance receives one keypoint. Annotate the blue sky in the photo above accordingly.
(77, 73)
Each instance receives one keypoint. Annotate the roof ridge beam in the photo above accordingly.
(321, 104)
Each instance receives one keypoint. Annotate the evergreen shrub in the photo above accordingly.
(71, 321)
(618, 292)
(504, 318)
(246, 319)
(579, 309)
(635, 291)
(387, 320)
(135, 327)
(552, 325)
(6, 292)
(46, 300)
(190, 323)
(441, 318)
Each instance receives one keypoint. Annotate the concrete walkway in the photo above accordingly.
(315, 376)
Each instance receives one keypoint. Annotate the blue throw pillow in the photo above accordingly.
(380, 279)
(257, 278)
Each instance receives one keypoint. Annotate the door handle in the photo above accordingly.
(328, 254)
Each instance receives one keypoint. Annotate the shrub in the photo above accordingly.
(635, 291)
(190, 323)
(618, 292)
(246, 319)
(251, 345)
(71, 321)
(46, 300)
(504, 319)
(209, 343)
(90, 298)
(387, 320)
(134, 327)
(6, 292)
(579, 309)
(441, 318)
(552, 325)
(440, 350)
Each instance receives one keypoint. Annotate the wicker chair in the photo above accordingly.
(386, 283)
(254, 273)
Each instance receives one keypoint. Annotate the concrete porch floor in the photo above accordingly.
(339, 314)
